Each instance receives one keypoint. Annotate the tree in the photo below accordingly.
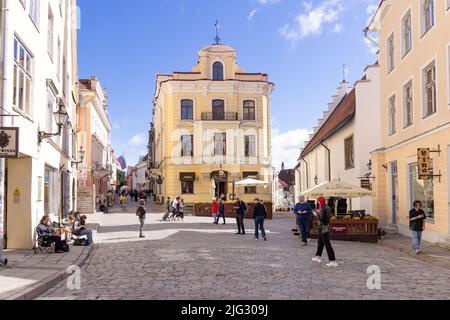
(121, 178)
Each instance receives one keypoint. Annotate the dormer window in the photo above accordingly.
(218, 71)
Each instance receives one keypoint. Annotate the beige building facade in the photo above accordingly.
(414, 58)
(212, 128)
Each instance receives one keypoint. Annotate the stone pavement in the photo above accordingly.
(198, 260)
(28, 275)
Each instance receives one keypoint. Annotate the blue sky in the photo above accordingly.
(301, 44)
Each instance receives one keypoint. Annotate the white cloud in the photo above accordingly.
(313, 19)
(286, 147)
(252, 14)
(338, 28)
(138, 140)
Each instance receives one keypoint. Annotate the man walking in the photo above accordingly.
(417, 219)
(259, 215)
(240, 208)
(141, 214)
(222, 209)
(303, 212)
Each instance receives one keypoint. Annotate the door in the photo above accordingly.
(218, 110)
(65, 193)
(394, 188)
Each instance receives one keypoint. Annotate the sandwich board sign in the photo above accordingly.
(9, 142)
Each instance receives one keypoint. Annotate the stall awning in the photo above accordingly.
(337, 188)
(187, 176)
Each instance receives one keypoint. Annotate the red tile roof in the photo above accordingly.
(341, 116)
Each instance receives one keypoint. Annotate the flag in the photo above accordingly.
(122, 162)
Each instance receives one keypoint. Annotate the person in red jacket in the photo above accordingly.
(215, 210)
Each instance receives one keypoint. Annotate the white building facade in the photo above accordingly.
(340, 146)
(39, 79)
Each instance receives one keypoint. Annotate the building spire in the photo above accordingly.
(217, 39)
(344, 73)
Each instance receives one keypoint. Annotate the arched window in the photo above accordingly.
(217, 71)
(249, 110)
(218, 108)
(187, 110)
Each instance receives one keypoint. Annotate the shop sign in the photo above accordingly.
(9, 142)
(366, 184)
(339, 228)
(424, 164)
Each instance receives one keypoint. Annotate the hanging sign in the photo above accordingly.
(366, 184)
(9, 142)
(424, 164)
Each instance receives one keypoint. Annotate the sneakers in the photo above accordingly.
(333, 264)
(317, 259)
(265, 238)
(255, 239)
(418, 251)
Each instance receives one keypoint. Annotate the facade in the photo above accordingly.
(284, 189)
(132, 178)
(414, 58)
(142, 177)
(97, 169)
(212, 127)
(340, 146)
(39, 78)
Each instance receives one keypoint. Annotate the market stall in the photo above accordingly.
(349, 226)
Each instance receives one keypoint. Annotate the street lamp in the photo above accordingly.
(81, 155)
(61, 117)
(316, 180)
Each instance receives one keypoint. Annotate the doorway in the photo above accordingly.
(394, 188)
(221, 181)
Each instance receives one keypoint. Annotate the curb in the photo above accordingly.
(30, 293)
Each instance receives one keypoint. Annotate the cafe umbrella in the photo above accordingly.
(251, 183)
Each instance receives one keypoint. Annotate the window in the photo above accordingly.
(22, 81)
(220, 144)
(430, 104)
(427, 15)
(187, 146)
(58, 60)
(64, 66)
(217, 71)
(408, 105)
(50, 37)
(250, 146)
(422, 190)
(349, 153)
(49, 191)
(251, 175)
(392, 110)
(448, 4)
(187, 183)
(406, 34)
(218, 107)
(33, 11)
(249, 110)
(391, 53)
(50, 109)
(187, 110)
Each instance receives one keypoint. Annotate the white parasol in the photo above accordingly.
(251, 183)
(337, 188)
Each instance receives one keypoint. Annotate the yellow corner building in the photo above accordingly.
(211, 129)
(414, 57)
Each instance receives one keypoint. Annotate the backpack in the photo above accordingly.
(80, 243)
(65, 247)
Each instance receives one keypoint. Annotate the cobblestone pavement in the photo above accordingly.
(198, 260)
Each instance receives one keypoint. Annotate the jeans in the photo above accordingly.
(259, 225)
(240, 223)
(141, 229)
(417, 239)
(304, 223)
(88, 233)
(324, 241)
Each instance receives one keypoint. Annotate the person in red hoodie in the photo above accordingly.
(215, 210)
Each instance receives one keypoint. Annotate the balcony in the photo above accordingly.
(220, 116)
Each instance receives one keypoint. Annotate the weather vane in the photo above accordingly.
(217, 39)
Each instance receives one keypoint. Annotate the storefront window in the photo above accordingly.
(422, 190)
(49, 191)
(187, 183)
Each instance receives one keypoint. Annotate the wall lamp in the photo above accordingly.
(81, 155)
(61, 117)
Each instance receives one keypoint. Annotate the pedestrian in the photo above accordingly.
(174, 208)
(241, 209)
(123, 202)
(181, 209)
(169, 205)
(136, 196)
(259, 215)
(417, 219)
(222, 209)
(215, 210)
(324, 234)
(303, 211)
(141, 214)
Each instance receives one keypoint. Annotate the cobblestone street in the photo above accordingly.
(198, 260)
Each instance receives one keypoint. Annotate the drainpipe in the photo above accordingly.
(329, 160)
(4, 44)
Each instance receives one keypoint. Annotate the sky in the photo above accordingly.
(302, 45)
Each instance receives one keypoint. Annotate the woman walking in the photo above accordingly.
(325, 230)
(215, 210)
(417, 219)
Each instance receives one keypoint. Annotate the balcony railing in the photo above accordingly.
(220, 116)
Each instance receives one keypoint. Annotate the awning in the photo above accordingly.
(251, 183)
(187, 177)
(337, 188)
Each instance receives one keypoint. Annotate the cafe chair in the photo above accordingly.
(44, 245)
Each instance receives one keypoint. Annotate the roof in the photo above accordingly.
(287, 176)
(218, 48)
(341, 116)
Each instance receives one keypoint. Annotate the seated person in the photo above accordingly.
(46, 230)
(80, 229)
(68, 226)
